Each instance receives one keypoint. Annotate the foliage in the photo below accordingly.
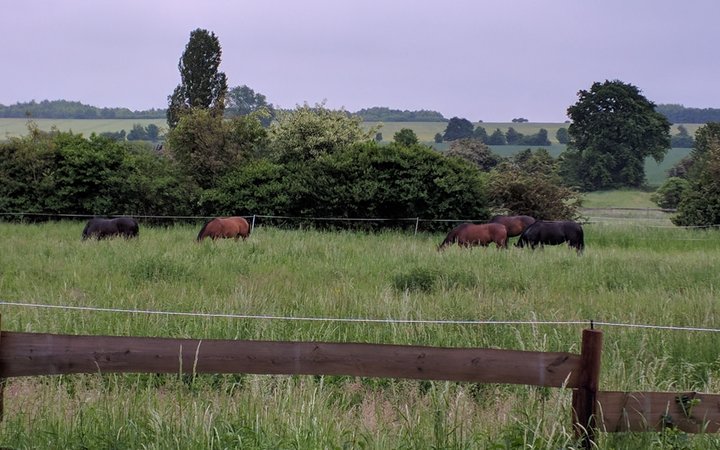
(701, 203)
(207, 146)
(682, 139)
(668, 195)
(475, 152)
(308, 132)
(681, 168)
(202, 84)
(529, 184)
(519, 120)
(480, 134)
(497, 138)
(562, 135)
(384, 114)
(62, 172)
(365, 180)
(64, 109)
(438, 138)
(458, 128)
(680, 114)
(614, 128)
(260, 186)
(242, 100)
(141, 133)
(405, 137)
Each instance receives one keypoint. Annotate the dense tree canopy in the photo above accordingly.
(700, 201)
(614, 128)
(202, 84)
(309, 132)
(206, 146)
(474, 151)
(528, 183)
(458, 128)
(406, 137)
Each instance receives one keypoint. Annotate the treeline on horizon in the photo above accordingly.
(64, 109)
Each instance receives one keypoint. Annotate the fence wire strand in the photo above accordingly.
(357, 319)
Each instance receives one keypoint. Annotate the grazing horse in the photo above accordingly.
(469, 234)
(515, 224)
(99, 228)
(225, 227)
(553, 233)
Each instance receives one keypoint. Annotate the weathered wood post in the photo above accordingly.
(417, 224)
(252, 226)
(585, 394)
(2, 386)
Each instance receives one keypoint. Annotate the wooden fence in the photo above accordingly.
(30, 354)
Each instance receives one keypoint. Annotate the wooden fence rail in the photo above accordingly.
(30, 354)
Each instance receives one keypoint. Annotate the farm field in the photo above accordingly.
(629, 274)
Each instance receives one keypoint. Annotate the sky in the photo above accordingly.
(489, 60)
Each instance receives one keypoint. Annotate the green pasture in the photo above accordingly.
(629, 274)
(19, 127)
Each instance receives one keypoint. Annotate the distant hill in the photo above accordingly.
(383, 114)
(681, 114)
(63, 109)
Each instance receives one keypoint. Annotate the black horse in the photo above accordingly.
(553, 233)
(126, 227)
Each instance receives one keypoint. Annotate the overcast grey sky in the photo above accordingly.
(490, 60)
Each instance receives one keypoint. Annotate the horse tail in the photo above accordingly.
(200, 235)
(85, 230)
(581, 240)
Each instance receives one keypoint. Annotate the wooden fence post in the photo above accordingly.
(2, 386)
(584, 396)
(252, 226)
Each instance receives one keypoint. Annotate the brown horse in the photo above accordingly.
(469, 234)
(515, 224)
(225, 227)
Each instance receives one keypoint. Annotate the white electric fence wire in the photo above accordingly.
(359, 320)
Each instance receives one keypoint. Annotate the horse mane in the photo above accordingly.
(202, 230)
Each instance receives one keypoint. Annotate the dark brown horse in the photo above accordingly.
(543, 233)
(515, 224)
(100, 228)
(225, 227)
(469, 234)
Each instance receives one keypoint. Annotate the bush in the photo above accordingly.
(668, 195)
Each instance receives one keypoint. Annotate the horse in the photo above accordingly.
(100, 228)
(553, 233)
(469, 234)
(515, 224)
(225, 227)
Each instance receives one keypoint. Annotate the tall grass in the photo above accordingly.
(628, 274)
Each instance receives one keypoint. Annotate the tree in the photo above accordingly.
(700, 202)
(475, 152)
(497, 138)
(405, 137)
(458, 128)
(207, 147)
(480, 134)
(242, 100)
(614, 129)
(438, 138)
(309, 132)
(682, 139)
(513, 137)
(668, 195)
(202, 85)
(529, 184)
(562, 135)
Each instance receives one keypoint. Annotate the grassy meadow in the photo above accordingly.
(629, 273)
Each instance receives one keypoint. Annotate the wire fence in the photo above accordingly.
(206, 315)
